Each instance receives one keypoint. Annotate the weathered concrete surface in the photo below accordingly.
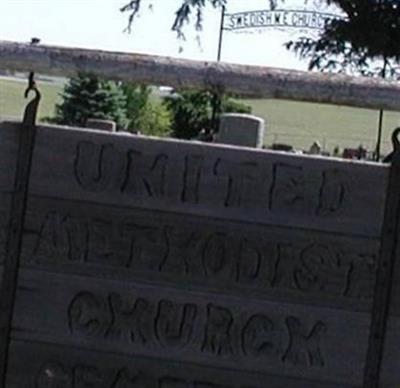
(244, 267)
(251, 81)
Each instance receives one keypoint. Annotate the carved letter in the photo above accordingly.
(249, 261)
(149, 246)
(174, 323)
(320, 270)
(61, 238)
(97, 166)
(333, 192)
(239, 179)
(217, 338)
(88, 315)
(258, 337)
(76, 231)
(191, 178)
(129, 323)
(304, 349)
(176, 259)
(285, 266)
(287, 191)
(143, 180)
(215, 260)
(106, 245)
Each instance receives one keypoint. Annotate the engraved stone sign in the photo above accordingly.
(164, 263)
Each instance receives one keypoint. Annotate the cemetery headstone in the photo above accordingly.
(104, 125)
(241, 130)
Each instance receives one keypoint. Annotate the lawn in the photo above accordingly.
(300, 124)
(295, 123)
(12, 101)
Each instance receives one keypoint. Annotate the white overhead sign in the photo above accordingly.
(278, 18)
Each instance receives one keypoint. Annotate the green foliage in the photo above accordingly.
(369, 33)
(232, 106)
(192, 111)
(87, 96)
(365, 41)
(295, 123)
(137, 97)
(144, 115)
(154, 119)
(183, 115)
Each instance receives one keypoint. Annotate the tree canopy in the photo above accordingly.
(365, 41)
(183, 14)
(87, 96)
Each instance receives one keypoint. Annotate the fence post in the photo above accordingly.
(16, 224)
(384, 277)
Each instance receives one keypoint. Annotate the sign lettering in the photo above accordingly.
(278, 18)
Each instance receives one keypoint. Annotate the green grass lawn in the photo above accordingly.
(12, 101)
(295, 123)
(299, 124)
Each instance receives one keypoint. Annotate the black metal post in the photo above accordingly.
(221, 34)
(27, 134)
(379, 138)
(380, 121)
(389, 251)
(216, 96)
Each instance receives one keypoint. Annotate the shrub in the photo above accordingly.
(87, 96)
(192, 111)
(154, 119)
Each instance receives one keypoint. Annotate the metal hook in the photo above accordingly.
(31, 84)
(32, 107)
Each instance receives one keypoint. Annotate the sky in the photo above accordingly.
(99, 24)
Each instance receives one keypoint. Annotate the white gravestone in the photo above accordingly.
(241, 129)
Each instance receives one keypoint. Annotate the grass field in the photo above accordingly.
(12, 101)
(300, 124)
(295, 123)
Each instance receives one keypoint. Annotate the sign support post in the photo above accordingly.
(217, 98)
(221, 33)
